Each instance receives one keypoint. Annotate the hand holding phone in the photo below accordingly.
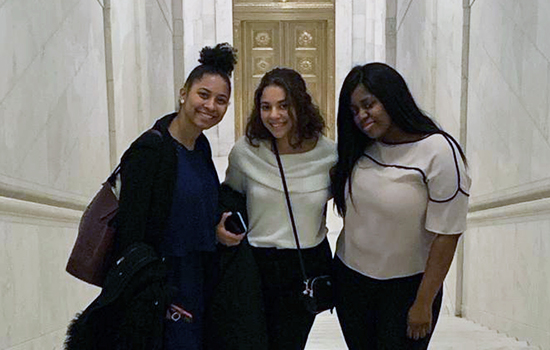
(235, 223)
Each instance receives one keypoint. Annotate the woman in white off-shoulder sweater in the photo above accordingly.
(284, 113)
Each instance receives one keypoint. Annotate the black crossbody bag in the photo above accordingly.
(318, 293)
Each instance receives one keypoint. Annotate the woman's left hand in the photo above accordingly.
(419, 322)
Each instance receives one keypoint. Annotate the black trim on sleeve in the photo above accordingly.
(425, 178)
(459, 189)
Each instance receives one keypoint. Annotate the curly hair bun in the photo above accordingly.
(223, 57)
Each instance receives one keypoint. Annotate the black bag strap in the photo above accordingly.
(289, 207)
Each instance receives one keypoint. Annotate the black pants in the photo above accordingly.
(373, 313)
(191, 276)
(288, 322)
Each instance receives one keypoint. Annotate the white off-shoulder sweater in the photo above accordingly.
(253, 171)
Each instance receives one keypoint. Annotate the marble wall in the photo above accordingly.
(207, 23)
(37, 297)
(508, 143)
(501, 114)
(343, 28)
(507, 270)
(52, 99)
(55, 111)
(415, 57)
(360, 36)
(54, 148)
(143, 66)
(368, 31)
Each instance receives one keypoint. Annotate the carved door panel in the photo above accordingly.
(303, 45)
(305, 49)
(262, 51)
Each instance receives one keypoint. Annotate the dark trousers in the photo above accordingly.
(191, 275)
(373, 313)
(288, 322)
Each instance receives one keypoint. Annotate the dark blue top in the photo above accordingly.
(192, 220)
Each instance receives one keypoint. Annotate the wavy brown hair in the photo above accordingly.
(308, 122)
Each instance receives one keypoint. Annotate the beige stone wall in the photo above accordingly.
(360, 29)
(501, 114)
(54, 148)
(508, 119)
(52, 98)
(38, 298)
(54, 141)
(209, 22)
(368, 31)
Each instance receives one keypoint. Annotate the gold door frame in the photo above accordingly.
(323, 10)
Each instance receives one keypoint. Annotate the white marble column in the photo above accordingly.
(209, 22)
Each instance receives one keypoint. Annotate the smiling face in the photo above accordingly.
(370, 116)
(206, 101)
(275, 113)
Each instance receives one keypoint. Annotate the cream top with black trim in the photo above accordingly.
(402, 195)
(254, 172)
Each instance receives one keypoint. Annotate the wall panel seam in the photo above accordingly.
(165, 18)
(10, 207)
(533, 210)
(404, 15)
(527, 194)
(35, 193)
(517, 94)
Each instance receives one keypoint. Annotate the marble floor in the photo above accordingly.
(451, 333)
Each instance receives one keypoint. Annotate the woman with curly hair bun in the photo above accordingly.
(170, 191)
(284, 116)
(167, 210)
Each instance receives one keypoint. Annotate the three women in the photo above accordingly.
(400, 183)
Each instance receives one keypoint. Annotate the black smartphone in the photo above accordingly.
(235, 223)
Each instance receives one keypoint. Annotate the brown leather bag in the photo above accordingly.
(91, 255)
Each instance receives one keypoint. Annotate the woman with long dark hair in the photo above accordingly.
(401, 185)
(284, 117)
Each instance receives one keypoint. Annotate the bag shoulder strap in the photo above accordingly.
(112, 178)
(289, 207)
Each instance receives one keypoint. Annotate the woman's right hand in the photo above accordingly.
(226, 237)
(175, 313)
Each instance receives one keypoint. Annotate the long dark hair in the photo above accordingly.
(219, 60)
(308, 122)
(389, 87)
